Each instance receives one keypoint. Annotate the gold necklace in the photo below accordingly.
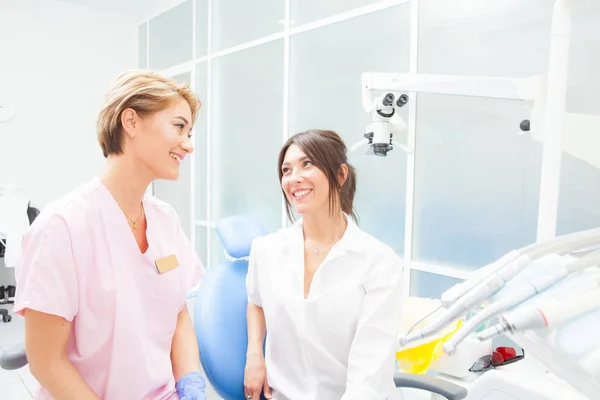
(134, 223)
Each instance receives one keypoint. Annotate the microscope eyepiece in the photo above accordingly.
(402, 100)
(388, 100)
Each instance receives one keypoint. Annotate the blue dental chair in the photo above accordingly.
(220, 319)
(220, 309)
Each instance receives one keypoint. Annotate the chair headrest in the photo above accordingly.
(237, 233)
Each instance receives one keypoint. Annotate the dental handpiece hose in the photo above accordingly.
(528, 290)
(450, 296)
(532, 252)
(497, 280)
(546, 316)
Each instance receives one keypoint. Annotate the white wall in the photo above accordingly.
(57, 59)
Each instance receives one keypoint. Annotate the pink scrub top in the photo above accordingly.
(81, 261)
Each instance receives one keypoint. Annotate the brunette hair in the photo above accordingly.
(327, 151)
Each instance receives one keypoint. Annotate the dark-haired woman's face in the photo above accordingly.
(305, 186)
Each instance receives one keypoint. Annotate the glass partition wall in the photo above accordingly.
(468, 194)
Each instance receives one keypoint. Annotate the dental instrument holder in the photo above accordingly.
(546, 347)
(457, 365)
(501, 273)
(526, 291)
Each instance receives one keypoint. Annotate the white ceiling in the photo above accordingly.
(125, 7)
(140, 9)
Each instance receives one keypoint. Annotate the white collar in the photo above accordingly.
(352, 240)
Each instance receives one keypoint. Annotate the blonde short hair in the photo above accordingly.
(145, 92)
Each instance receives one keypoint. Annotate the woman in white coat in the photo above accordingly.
(327, 293)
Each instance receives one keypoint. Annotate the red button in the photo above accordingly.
(508, 353)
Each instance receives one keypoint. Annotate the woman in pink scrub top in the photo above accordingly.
(105, 270)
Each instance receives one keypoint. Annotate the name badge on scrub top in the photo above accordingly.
(167, 263)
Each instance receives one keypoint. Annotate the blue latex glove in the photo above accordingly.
(191, 387)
